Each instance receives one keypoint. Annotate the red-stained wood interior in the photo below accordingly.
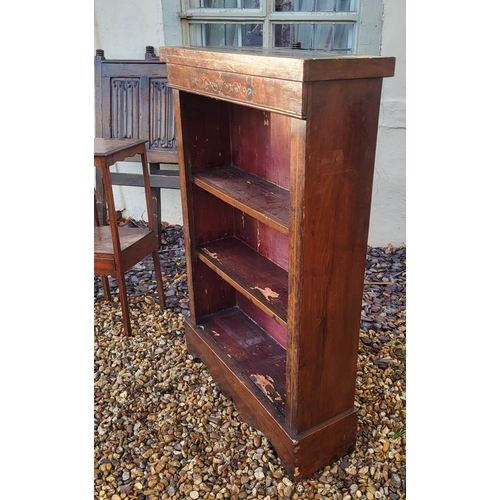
(260, 356)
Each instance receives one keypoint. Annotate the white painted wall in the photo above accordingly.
(123, 28)
(388, 214)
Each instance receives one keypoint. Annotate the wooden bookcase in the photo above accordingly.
(276, 157)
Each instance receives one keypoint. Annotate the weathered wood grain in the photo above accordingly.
(256, 277)
(288, 271)
(337, 178)
(295, 65)
(258, 354)
(249, 193)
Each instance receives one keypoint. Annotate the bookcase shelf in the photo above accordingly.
(276, 157)
(253, 195)
(257, 278)
(257, 356)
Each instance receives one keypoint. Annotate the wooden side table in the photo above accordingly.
(117, 249)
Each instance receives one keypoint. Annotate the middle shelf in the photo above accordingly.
(257, 197)
(261, 281)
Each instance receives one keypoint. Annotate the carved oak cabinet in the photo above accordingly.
(276, 159)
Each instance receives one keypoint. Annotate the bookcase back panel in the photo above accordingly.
(214, 218)
(264, 239)
(273, 328)
(260, 143)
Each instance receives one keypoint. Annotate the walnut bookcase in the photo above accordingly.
(276, 157)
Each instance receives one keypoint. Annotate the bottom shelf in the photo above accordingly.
(257, 354)
(243, 360)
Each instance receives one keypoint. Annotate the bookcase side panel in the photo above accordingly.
(339, 160)
(298, 129)
(202, 130)
(212, 294)
(186, 194)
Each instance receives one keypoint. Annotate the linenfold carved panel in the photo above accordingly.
(161, 120)
(125, 108)
(126, 111)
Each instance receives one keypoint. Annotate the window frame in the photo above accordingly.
(366, 19)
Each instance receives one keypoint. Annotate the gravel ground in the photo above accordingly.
(163, 430)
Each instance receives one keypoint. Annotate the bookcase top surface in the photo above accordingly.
(284, 64)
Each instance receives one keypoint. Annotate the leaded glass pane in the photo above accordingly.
(335, 37)
(342, 37)
(225, 34)
(224, 4)
(323, 37)
(314, 5)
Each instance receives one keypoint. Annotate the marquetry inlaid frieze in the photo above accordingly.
(257, 91)
(224, 88)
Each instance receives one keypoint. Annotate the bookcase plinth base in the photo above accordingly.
(301, 454)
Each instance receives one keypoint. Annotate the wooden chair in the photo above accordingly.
(117, 249)
(133, 100)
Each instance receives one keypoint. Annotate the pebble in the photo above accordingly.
(163, 430)
(395, 480)
(259, 474)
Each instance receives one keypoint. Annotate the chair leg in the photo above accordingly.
(124, 304)
(100, 198)
(105, 287)
(159, 280)
(156, 204)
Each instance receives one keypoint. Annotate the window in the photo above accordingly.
(344, 26)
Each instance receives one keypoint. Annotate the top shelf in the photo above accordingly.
(261, 199)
